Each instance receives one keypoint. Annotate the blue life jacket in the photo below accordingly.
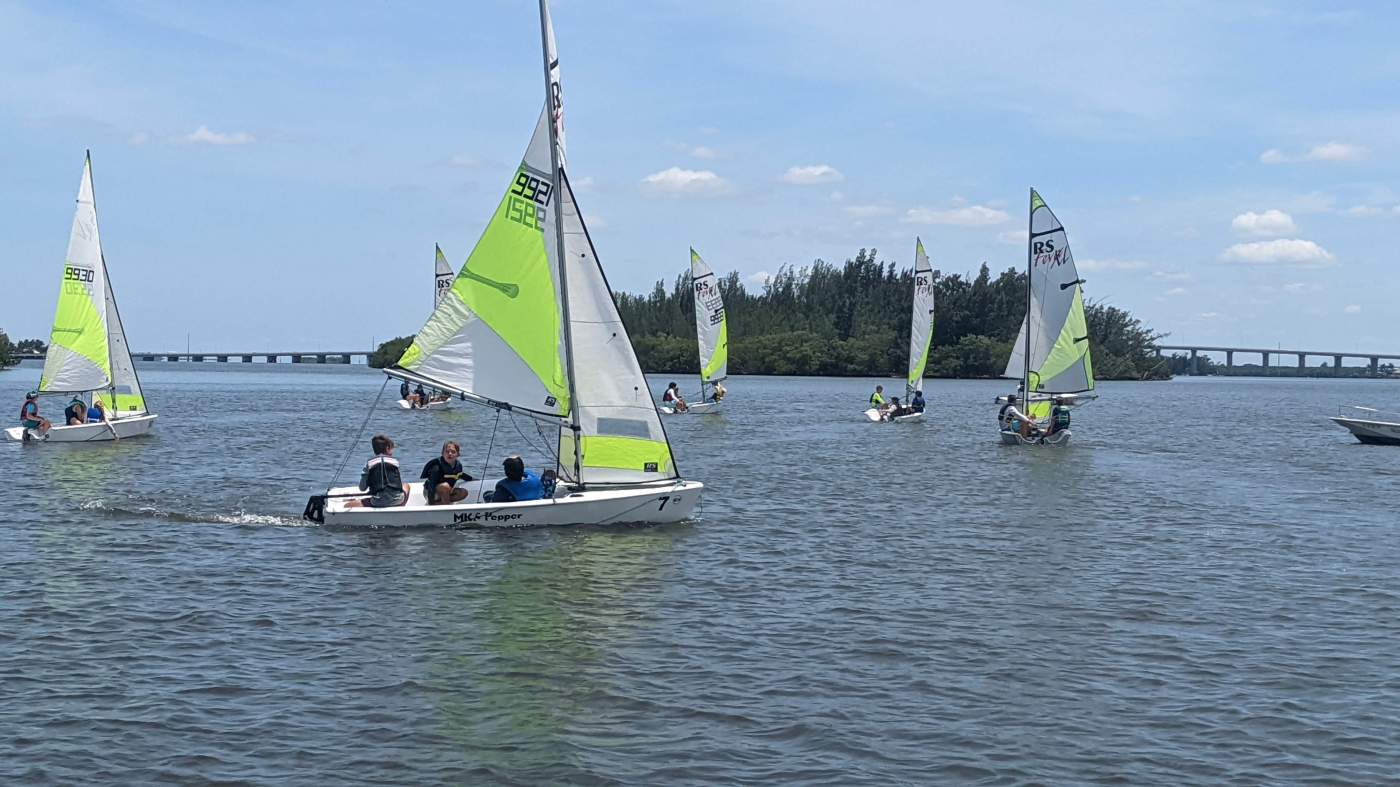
(94, 415)
(527, 488)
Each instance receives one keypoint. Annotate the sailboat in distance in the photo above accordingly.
(712, 338)
(1051, 354)
(920, 338)
(88, 357)
(530, 329)
(442, 283)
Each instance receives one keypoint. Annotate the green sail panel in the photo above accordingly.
(1059, 359)
(502, 316)
(711, 325)
(78, 357)
(921, 320)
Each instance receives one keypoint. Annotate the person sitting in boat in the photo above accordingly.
(1059, 417)
(917, 403)
(381, 478)
(420, 396)
(29, 416)
(892, 410)
(75, 414)
(405, 392)
(444, 480)
(519, 484)
(97, 413)
(1011, 419)
(877, 399)
(718, 392)
(674, 399)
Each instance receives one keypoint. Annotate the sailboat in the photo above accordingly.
(712, 332)
(88, 356)
(1051, 354)
(530, 329)
(920, 335)
(442, 283)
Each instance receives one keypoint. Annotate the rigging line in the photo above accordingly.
(485, 462)
(360, 433)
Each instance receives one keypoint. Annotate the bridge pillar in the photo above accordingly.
(1195, 364)
(1302, 362)
(1336, 365)
(321, 358)
(1159, 352)
(1266, 360)
(1375, 365)
(247, 359)
(223, 359)
(172, 358)
(197, 359)
(148, 357)
(272, 359)
(1229, 360)
(296, 358)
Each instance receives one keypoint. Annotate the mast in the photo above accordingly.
(1026, 366)
(559, 241)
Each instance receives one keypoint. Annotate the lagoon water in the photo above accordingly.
(1201, 589)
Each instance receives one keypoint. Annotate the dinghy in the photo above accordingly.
(442, 282)
(712, 333)
(1369, 425)
(88, 356)
(529, 328)
(920, 336)
(1051, 353)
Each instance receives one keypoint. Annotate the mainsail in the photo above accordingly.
(711, 329)
(508, 336)
(442, 276)
(79, 357)
(1052, 349)
(921, 323)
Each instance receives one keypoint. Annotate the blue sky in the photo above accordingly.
(274, 175)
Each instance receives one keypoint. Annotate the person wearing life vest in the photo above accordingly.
(1011, 419)
(877, 399)
(1059, 418)
(29, 416)
(674, 399)
(75, 414)
(405, 391)
(519, 484)
(381, 478)
(917, 403)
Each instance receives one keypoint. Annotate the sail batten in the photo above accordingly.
(1052, 348)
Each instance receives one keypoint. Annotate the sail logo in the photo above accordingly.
(922, 284)
(1045, 253)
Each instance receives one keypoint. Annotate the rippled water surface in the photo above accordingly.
(1202, 589)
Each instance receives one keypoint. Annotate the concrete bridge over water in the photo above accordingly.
(294, 356)
(1267, 354)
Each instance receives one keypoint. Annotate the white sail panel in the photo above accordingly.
(555, 103)
(921, 322)
(503, 314)
(442, 275)
(127, 388)
(78, 358)
(623, 441)
(1059, 337)
(711, 328)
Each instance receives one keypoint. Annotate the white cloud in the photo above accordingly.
(1295, 287)
(1013, 237)
(701, 151)
(1110, 265)
(1270, 223)
(970, 216)
(867, 211)
(1352, 308)
(139, 138)
(203, 135)
(812, 174)
(758, 279)
(1177, 291)
(1278, 252)
(1208, 315)
(677, 182)
(1366, 211)
(461, 160)
(1328, 151)
(1171, 275)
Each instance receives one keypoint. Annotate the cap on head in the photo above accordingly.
(32, 395)
(514, 467)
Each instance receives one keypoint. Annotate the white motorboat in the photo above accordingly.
(1370, 425)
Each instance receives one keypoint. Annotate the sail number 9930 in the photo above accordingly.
(83, 275)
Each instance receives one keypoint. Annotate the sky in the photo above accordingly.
(273, 175)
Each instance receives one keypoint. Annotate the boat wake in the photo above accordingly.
(192, 517)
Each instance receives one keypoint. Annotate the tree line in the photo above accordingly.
(853, 320)
(9, 351)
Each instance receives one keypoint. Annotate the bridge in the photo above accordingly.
(1267, 354)
(297, 356)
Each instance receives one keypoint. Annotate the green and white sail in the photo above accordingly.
(1058, 359)
(504, 335)
(921, 322)
(79, 358)
(711, 327)
(442, 275)
(87, 347)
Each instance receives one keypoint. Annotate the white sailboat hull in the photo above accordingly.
(694, 409)
(673, 501)
(873, 415)
(441, 404)
(130, 426)
(1370, 431)
(1061, 437)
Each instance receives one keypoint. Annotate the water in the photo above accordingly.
(1202, 589)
